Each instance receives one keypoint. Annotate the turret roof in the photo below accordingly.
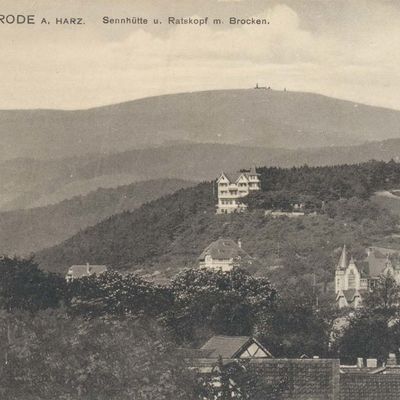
(343, 260)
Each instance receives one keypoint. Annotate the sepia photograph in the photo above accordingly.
(199, 200)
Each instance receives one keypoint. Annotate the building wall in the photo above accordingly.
(230, 193)
(350, 278)
(217, 265)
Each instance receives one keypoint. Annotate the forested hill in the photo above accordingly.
(333, 182)
(169, 233)
(26, 231)
(27, 183)
(269, 118)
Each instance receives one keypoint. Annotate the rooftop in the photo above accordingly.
(224, 249)
(229, 346)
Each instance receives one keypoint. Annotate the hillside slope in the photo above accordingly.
(170, 233)
(26, 231)
(251, 117)
(26, 183)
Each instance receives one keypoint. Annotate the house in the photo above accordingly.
(353, 280)
(233, 187)
(80, 271)
(350, 282)
(380, 262)
(295, 379)
(224, 255)
(234, 347)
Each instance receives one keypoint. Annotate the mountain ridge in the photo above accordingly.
(243, 116)
(27, 183)
(26, 231)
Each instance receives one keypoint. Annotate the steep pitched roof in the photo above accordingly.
(234, 176)
(224, 249)
(343, 260)
(350, 294)
(229, 346)
(253, 171)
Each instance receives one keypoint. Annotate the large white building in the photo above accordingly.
(233, 187)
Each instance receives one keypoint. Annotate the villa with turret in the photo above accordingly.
(233, 187)
(353, 280)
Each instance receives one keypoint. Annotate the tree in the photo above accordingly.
(53, 356)
(213, 302)
(297, 326)
(373, 331)
(384, 298)
(23, 286)
(112, 293)
(367, 336)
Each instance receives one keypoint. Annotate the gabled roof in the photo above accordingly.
(230, 346)
(224, 249)
(350, 294)
(233, 177)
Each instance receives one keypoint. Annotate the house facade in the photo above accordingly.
(350, 282)
(233, 187)
(353, 280)
(223, 255)
(80, 271)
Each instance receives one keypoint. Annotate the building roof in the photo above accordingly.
(343, 260)
(253, 171)
(229, 346)
(224, 249)
(377, 260)
(79, 271)
(234, 176)
(351, 294)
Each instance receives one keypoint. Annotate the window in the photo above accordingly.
(351, 280)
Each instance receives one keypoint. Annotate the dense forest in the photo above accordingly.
(168, 234)
(315, 186)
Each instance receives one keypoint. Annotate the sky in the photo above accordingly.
(345, 49)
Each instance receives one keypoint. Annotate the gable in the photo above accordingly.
(223, 178)
(235, 347)
(254, 350)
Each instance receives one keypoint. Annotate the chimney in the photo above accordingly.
(88, 268)
(372, 363)
(239, 243)
(360, 362)
(391, 361)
